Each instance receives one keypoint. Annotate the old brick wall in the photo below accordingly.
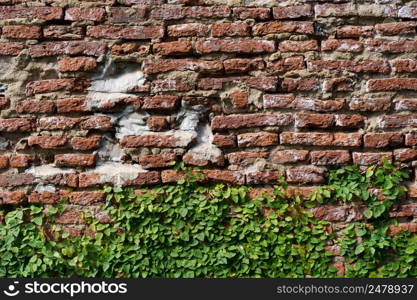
(114, 92)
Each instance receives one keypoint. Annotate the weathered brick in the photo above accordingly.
(261, 83)
(195, 12)
(11, 49)
(301, 27)
(165, 65)
(305, 174)
(251, 13)
(229, 29)
(405, 155)
(17, 124)
(21, 160)
(86, 197)
(74, 160)
(170, 85)
(239, 99)
(188, 30)
(33, 12)
(157, 160)
(407, 12)
(224, 141)
(333, 157)
(57, 122)
(266, 177)
(369, 158)
(69, 105)
(321, 139)
(125, 32)
(53, 85)
(46, 197)
(292, 12)
(76, 64)
(339, 84)
(129, 48)
(173, 48)
(127, 14)
(96, 122)
(370, 104)
(300, 84)
(291, 102)
(396, 28)
(84, 14)
(335, 10)
(35, 107)
(47, 142)
(244, 158)
(362, 66)
(382, 140)
(156, 123)
(337, 213)
(289, 156)
(402, 46)
(298, 46)
(150, 140)
(67, 48)
(314, 120)
(11, 180)
(85, 143)
(411, 139)
(342, 45)
(286, 65)
(63, 32)
(235, 46)
(258, 139)
(250, 120)
(397, 121)
(21, 32)
(12, 197)
(4, 161)
(160, 102)
(350, 31)
(233, 177)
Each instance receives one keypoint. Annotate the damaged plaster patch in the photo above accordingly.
(110, 86)
(205, 150)
(109, 150)
(47, 170)
(117, 173)
(41, 188)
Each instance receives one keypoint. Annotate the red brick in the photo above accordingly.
(404, 65)
(397, 121)
(165, 65)
(402, 46)
(229, 29)
(335, 10)
(86, 198)
(76, 64)
(53, 85)
(11, 49)
(411, 139)
(157, 123)
(251, 13)
(396, 28)
(12, 197)
(394, 229)
(35, 107)
(349, 121)
(173, 48)
(340, 84)
(71, 105)
(405, 104)
(289, 156)
(305, 174)
(160, 102)
(96, 122)
(84, 14)
(361, 66)
(233, 177)
(129, 48)
(67, 48)
(258, 139)
(21, 32)
(58, 122)
(261, 83)
(286, 65)
(188, 30)
(350, 31)
(370, 104)
(74, 160)
(4, 161)
(242, 65)
(314, 120)
(298, 46)
(337, 213)
(407, 12)
(17, 125)
(4, 102)
(85, 143)
(33, 12)
(334, 157)
(157, 160)
(392, 84)
(239, 99)
(62, 32)
(382, 140)
(47, 142)
(370, 158)
(281, 27)
(342, 45)
(224, 141)
(46, 197)
(127, 14)
(292, 12)
(21, 161)
(405, 155)
(321, 139)
(250, 120)
(235, 46)
(125, 32)
(300, 84)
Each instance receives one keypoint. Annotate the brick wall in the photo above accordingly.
(114, 92)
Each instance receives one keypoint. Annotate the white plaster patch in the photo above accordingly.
(47, 170)
(205, 150)
(116, 172)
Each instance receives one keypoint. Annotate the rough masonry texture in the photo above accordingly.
(115, 92)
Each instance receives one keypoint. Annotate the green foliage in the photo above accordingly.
(196, 230)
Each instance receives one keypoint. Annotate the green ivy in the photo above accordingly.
(192, 229)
